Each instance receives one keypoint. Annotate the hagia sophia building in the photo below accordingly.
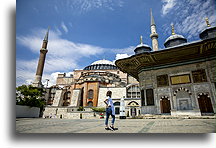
(177, 80)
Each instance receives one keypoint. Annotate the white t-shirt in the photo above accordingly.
(110, 103)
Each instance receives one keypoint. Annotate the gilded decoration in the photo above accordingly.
(182, 79)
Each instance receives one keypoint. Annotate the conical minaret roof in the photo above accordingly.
(152, 18)
(47, 34)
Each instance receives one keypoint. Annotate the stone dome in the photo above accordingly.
(101, 65)
(143, 45)
(142, 48)
(174, 40)
(103, 62)
(208, 33)
(175, 36)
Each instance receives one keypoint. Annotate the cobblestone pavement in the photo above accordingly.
(39, 125)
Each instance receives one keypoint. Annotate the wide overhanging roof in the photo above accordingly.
(185, 53)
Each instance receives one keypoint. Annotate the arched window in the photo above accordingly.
(133, 91)
(90, 94)
(66, 99)
(150, 96)
(116, 104)
(67, 95)
(90, 103)
(133, 103)
(142, 98)
(117, 108)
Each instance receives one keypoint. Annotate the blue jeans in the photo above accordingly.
(108, 113)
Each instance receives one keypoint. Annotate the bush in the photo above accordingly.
(80, 108)
(97, 109)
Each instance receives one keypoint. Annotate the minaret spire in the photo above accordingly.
(207, 22)
(47, 34)
(38, 77)
(153, 35)
(173, 30)
(141, 39)
(152, 18)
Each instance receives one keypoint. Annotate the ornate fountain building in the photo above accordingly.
(179, 79)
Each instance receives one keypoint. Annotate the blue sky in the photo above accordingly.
(83, 31)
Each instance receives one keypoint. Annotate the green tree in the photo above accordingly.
(30, 96)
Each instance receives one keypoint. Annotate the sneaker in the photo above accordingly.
(112, 128)
(107, 128)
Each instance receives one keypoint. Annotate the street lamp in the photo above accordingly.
(47, 82)
(47, 94)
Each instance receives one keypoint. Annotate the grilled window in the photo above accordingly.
(199, 76)
(150, 96)
(162, 80)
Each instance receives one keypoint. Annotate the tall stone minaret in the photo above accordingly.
(153, 35)
(38, 77)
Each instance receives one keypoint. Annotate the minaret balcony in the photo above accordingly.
(153, 35)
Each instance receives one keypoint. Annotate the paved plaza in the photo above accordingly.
(40, 125)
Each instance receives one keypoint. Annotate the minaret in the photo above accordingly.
(153, 35)
(38, 77)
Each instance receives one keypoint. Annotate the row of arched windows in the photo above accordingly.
(100, 67)
(66, 98)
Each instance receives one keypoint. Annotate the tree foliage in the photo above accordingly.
(30, 96)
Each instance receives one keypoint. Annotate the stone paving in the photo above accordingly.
(40, 125)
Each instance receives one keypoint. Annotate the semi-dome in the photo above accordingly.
(174, 39)
(101, 65)
(142, 48)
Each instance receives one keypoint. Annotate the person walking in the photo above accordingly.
(110, 110)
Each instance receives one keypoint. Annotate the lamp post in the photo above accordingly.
(122, 109)
(47, 94)
(47, 82)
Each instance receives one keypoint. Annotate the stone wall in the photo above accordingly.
(67, 113)
(27, 112)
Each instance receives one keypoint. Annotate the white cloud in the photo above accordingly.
(188, 17)
(63, 55)
(84, 6)
(121, 56)
(129, 50)
(167, 6)
(123, 53)
(64, 27)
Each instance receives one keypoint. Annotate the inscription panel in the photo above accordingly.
(181, 79)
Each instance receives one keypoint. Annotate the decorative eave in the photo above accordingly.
(189, 52)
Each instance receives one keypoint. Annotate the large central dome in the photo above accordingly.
(103, 62)
(101, 65)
